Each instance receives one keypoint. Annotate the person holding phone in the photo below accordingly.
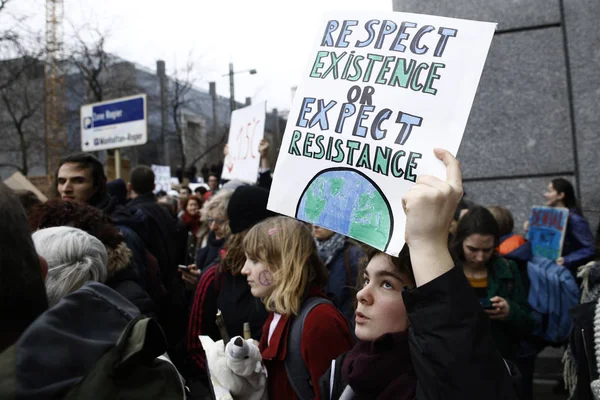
(495, 280)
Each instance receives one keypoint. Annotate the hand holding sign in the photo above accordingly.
(430, 204)
(366, 118)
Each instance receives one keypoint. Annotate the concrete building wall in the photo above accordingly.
(537, 110)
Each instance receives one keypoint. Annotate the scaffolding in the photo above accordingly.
(55, 106)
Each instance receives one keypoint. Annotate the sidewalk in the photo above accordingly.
(548, 370)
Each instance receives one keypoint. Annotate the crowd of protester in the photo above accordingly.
(106, 289)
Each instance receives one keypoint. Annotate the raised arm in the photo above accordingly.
(429, 207)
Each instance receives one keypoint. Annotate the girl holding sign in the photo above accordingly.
(578, 246)
(423, 334)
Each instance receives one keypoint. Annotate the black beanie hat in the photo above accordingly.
(247, 207)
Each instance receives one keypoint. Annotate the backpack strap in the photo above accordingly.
(295, 368)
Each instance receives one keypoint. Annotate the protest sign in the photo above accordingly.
(162, 178)
(245, 133)
(547, 228)
(380, 92)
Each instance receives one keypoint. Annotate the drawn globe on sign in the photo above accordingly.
(346, 201)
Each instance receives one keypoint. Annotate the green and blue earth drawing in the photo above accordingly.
(348, 202)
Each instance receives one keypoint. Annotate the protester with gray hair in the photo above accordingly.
(74, 258)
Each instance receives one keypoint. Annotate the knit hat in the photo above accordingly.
(247, 207)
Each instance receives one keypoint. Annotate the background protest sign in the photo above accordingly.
(379, 93)
(547, 228)
(162, 178)
(245, 133)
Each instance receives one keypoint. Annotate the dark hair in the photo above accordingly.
(462, 205)
(77, 215)
(161, 193)
(478, 220)
(86, 161)
(187, 189)
(22, 290)
(142, 179)
(27, 198)
(562, 185)
(200, 190)
(504, 218)
(402, 263)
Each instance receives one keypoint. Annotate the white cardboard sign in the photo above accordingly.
(380, 92)
(245, 133)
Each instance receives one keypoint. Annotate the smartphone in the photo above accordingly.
(183, 267)
(486, 304)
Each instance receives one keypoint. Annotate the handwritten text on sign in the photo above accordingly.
(547, 228)
(245, 133)
(379, 93)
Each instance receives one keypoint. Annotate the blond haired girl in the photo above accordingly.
(283, 268)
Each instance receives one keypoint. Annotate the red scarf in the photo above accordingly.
(192, 222)
(381, 369)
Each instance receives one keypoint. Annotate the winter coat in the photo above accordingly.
(230, 294)
(504, 280)
(580, 365)
(133, 226)
(325, 336)
(578, 247)
(582, 346)
(61, 346)
(209, 255)
(451, 345)
(124, 280)
(343, 270)
(161, 234)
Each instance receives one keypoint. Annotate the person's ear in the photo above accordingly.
(561, 195)
(43, 267)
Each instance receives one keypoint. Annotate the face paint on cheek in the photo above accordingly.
(265, 278)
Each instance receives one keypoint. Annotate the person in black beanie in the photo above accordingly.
(222, 286)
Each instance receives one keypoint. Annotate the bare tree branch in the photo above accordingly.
(3, 4)
(221, 142)
(178, 99)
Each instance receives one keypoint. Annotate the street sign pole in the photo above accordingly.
(117, 163)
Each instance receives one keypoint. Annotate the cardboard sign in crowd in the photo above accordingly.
(547, 229)
(380, 92)
(246, 130)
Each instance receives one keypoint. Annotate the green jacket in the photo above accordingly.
(504, 280)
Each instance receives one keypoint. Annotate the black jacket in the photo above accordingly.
(133, 226)
(161, 233)
(60, 347)
(582, 346)
(209, 255)
(126, 284)
(453, 352)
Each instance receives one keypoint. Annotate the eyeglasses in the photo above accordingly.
(216, 221)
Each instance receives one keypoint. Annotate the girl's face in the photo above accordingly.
(553, 198)
(192, 207)
(259, 278)
(380, 305)
(478, 250)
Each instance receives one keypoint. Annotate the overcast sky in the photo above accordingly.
(271, 36)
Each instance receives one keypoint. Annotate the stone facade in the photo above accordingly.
(537, 110)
